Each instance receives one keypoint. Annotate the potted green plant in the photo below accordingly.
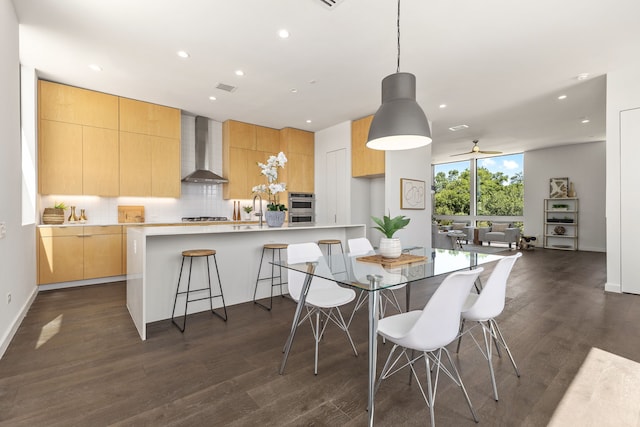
(54, 215)
(247, 210)
(390, 247)
(275, 210)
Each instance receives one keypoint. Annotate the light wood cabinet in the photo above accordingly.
(243, 146)
(102, 251)
(59, 158)
(149, 119)
(68, 104)
(365, 162)
(100, 162)
(148, 166)
(298, 146)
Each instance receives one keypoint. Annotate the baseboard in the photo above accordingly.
(613, 287)
(6, 340)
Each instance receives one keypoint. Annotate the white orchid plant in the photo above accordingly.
(273, 188)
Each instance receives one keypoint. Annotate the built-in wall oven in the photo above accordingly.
(302, 208)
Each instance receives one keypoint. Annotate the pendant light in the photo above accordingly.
(399, 123)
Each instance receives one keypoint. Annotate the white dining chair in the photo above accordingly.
(428, 331)
(361, 247)
(483, 308)
(324, 298)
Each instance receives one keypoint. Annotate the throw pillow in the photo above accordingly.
(458, 226)
(499, 227)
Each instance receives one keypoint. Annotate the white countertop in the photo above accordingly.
(231, 228)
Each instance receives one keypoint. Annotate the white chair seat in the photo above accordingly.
(397, 326)
(328, 298)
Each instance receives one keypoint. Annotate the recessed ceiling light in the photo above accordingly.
(562, 97)
(458, 127)
(585, 120)
(239, 73)
(582, 76)
(443, 105)
(312, 81)
(95, 67)
(283, 33)
(308, 121)
(212, 98)
(182, 54)
(293, 90)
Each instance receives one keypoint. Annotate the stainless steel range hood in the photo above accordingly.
(203, 173)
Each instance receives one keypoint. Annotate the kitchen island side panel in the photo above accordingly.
(157, 251)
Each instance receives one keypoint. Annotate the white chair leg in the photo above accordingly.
(362, 298)
(346, 330)
(317, 337)
(430, 391)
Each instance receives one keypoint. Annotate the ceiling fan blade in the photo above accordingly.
(461, 154)
(489, 152)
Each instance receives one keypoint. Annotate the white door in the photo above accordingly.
(630, 200)
(336, 187)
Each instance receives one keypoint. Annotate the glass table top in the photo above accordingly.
(348, 270)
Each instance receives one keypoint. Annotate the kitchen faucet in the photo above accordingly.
(258, 214)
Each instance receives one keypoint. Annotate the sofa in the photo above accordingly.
(499, 232)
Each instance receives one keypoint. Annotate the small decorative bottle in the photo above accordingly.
(239, 214)
(72, 215)
(83, 216)
(235, 217)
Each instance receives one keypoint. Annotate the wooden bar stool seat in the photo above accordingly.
(273, 247)
(329, 243)
(191, 254)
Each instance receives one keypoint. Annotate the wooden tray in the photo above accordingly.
(392, 262)
(130, 213)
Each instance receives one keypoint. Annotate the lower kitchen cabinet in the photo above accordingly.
(71, 253)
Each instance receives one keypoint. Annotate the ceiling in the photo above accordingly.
(498, 65)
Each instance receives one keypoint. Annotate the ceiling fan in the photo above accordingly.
(477, 150)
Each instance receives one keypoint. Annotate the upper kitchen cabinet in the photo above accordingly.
(68, 104)
(243, 146)
(149, 119)
(149, 166)
(149, 149)
(365, 162)
(77, 141)
(298, 146)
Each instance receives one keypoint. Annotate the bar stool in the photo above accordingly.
(330, 243)
(191, 254)
(273, 247)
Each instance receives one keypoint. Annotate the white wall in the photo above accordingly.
(623, 93)
(584, 165)
(17, 248)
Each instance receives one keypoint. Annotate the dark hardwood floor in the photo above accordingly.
(77, 360)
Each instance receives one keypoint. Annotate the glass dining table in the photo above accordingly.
(372, 273)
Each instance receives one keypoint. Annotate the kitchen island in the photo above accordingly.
(154, 255)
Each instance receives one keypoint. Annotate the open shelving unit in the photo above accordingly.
(561, 223)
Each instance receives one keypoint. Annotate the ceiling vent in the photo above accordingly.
(225, 87)
(329, 4)
(458, 127)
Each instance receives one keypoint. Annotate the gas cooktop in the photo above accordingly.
(204, 218)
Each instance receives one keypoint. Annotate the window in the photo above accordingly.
(480, 190)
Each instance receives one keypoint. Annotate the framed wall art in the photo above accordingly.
(558, 188)
(412, 194)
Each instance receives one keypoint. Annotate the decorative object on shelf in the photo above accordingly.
(234, 217)
(412, 194)
(83, 216)
(559, 230)
(399, 123)
(572, 190)
(390, 247)
(272, 189)
(558, 188)
(560, 207)
(54, 215)
(247, 210)
(72, 215)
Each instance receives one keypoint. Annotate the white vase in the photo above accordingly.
(274, 218)
(390, 248)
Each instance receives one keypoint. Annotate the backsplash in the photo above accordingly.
(195, 200)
